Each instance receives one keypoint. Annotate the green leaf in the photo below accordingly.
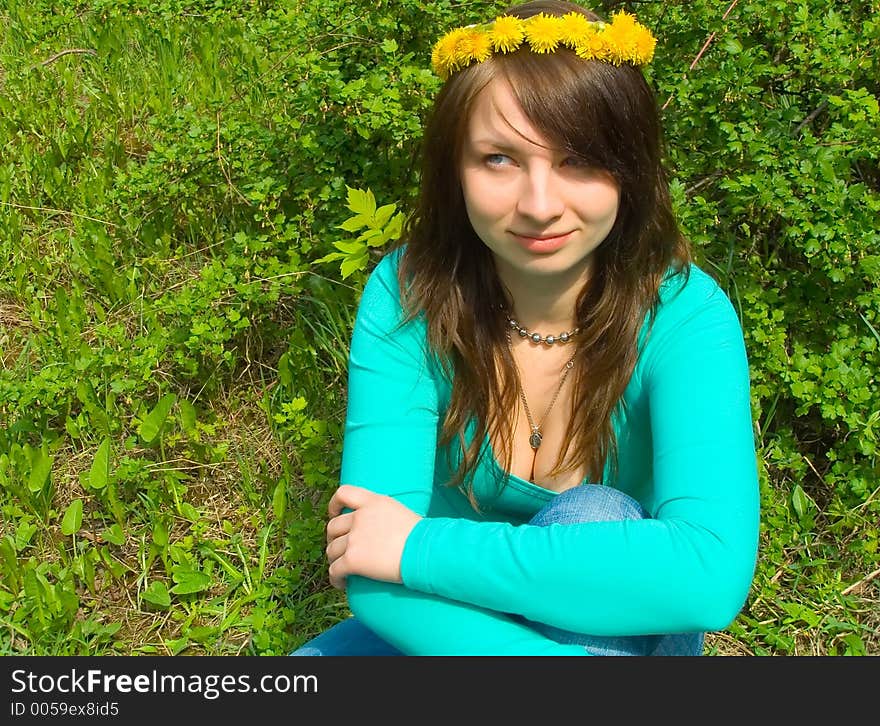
(187, 416)
(800, 501)
(114, 535)
(332, 257)
(732, 45)
(72, 520)
(38, 592)
(350, 248)
(23, 534)
(285, 374)
(41, 466)
(353, 224)
(157, 593)
(854, 645)
(9, 564)
(202, 633)
(279, 499)
(369, 235)
(189, 581)
(99, 474)
(361, 202)
(190, 512)
(395, 228)
(380, 239)
(353, 264)
(177, 645)
(88, 571)
(383, 214)
(160, 534)
(151, 427)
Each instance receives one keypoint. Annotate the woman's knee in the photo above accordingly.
(589, 503)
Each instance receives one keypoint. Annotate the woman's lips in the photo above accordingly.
(542, 243)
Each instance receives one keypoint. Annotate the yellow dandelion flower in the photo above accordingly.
(482, 47)
(506, 34)
(443, 56)
(591, 46)
(472, 45)
(629, 40)
(619, 37)
(645, 43)
(544, 32)
(623, 21)
(574, 27)
(436, 62)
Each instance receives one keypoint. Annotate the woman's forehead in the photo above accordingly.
(497, 117)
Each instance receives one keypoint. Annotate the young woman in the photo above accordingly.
(548, 445)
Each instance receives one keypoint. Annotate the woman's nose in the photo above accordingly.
(539, 198)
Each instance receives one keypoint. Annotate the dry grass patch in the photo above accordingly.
(15, 327)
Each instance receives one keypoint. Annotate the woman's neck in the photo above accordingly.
(544, 304)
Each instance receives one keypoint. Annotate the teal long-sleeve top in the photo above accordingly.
(685, 452)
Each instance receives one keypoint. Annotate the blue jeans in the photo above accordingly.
(585, 503)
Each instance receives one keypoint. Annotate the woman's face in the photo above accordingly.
(538, 209)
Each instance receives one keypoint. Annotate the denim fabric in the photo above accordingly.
(585, 503)
(347, 638)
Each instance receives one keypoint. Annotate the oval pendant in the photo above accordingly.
(535, 440)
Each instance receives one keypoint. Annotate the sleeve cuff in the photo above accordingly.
(416, 558)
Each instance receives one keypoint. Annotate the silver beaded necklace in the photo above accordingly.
(537, 337)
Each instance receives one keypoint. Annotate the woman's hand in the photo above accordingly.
(369, 540)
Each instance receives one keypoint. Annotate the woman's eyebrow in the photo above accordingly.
(482, 144)
(506, 143)
(495, 143)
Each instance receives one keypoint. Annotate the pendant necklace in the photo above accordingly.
(536, 436)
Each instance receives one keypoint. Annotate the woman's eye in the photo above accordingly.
(575, 161)
(497, 159)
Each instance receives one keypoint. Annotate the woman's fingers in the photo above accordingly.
(346, 496)
(339, 526)
(336, 548)
(349, 496)
(338, 568)
(336, 580)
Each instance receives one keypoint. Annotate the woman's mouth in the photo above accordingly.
(541, 243)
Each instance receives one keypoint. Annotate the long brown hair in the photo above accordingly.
(606, 115)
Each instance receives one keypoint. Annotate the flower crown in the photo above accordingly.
(623, 40)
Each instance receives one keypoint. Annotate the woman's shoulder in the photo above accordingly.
(693, 311)
(381, 306)
(387, 267)
(691, 290)
(694, 335)
(382, 284)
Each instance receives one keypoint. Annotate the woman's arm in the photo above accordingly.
(389, 447)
